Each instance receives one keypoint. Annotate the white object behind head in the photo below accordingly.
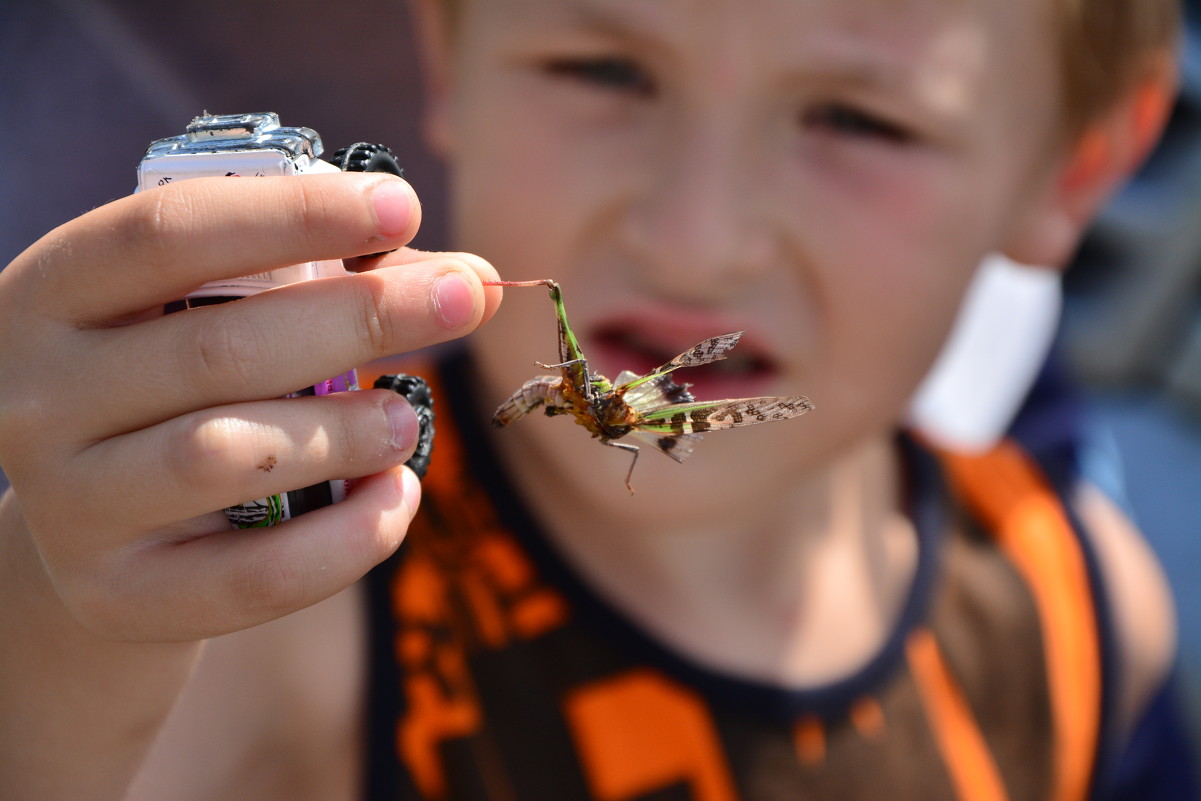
(992, 356)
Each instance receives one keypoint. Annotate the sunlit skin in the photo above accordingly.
(825, 175)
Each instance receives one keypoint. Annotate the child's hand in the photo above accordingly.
(121, 430)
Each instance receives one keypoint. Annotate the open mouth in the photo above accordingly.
(745, 371)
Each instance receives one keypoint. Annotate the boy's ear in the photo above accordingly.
(1108, 152)
(432, 32)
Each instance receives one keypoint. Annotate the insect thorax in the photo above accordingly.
(614, 416)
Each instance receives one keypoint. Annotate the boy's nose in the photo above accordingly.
(695, 226)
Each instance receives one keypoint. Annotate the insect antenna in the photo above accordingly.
(548, 282)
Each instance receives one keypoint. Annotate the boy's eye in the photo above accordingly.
(849, 121)
(608, 72)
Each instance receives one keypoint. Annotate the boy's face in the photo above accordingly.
(825, 174)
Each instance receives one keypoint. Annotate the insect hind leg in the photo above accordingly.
(633, 449)
(568, 363)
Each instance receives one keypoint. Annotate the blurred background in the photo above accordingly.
(85, 86)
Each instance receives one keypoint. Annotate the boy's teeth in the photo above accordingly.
(731, 365)
(735, 364)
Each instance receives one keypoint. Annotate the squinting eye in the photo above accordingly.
(610, 72)
(850, 121)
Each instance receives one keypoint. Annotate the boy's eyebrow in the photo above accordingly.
(944, 84)
(631, 18)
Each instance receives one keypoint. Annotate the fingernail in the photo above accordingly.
(411, 487)
(403, 422)
(393, 204)
(454, 301)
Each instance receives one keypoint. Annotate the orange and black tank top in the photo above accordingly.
(498, 674)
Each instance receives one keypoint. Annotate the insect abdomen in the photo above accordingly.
(545, 389)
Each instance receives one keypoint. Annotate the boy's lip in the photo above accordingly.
(640, 342)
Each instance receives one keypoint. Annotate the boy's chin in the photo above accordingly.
(730, 473)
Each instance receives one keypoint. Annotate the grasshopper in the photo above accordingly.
(651, 407)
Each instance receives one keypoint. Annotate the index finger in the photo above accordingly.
(155, 246)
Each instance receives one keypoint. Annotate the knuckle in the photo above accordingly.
(33, 425)
(96, 599)
(342, 440)
(112, 600)
(363, 436)
(198, 454)
(309, 209)
(374, 316)
(481, 266)
(21, 416)
(225, 353)
(267, 583)
(154, 225)
(96, 613)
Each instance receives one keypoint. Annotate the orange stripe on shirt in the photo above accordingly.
(1034, 532)
(809, 735)
(973, 771)
(639, 733)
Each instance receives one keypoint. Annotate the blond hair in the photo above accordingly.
(1107, 47)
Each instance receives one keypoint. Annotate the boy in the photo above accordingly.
(802, 610)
